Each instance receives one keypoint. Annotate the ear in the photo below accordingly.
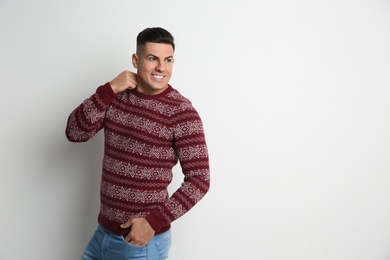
(135, 60)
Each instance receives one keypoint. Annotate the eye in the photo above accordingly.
(152, 58)
(169, 60)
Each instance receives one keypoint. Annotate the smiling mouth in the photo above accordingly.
(158, 76)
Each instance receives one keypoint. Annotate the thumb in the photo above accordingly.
(127, 224)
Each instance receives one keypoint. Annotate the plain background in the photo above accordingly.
(295, 99)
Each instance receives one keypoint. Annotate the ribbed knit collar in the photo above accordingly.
(145, 96)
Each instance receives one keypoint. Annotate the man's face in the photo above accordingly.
(154, 64)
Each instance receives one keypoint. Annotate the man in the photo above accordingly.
(148, 127)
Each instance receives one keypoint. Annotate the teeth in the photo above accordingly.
(158, 76)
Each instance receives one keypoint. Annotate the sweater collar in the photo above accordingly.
(145, 96)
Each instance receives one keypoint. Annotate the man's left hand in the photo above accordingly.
(140, 231)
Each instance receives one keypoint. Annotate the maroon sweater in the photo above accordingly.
(145, 137)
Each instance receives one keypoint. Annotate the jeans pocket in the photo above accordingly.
(163, 247)
(135, 251)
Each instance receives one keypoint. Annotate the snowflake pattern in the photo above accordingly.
(190, 152)
(176, 208)
(188, 127)
(118, 215)
(195, 194)
(125, 169)
(133, 195)
(125, 144)
(139, 123)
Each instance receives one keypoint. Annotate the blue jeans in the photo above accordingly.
(105, 245)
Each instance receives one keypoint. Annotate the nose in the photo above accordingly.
(160, 66)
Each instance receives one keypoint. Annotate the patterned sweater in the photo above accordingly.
(144, 138)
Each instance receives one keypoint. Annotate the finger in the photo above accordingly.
(126, 225)
(132, 84)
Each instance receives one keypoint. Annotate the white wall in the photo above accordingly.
(294, 95)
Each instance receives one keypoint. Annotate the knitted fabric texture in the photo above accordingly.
(145, 136)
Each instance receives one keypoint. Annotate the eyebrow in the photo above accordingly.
(152, 55)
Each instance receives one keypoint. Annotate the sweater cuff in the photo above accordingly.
(106, 93)
(155, 221)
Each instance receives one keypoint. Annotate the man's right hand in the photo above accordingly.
(123, 81)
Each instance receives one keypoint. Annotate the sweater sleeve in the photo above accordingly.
(87, 119)
(193, 155)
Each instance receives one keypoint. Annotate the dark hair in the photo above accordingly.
(156, 35)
